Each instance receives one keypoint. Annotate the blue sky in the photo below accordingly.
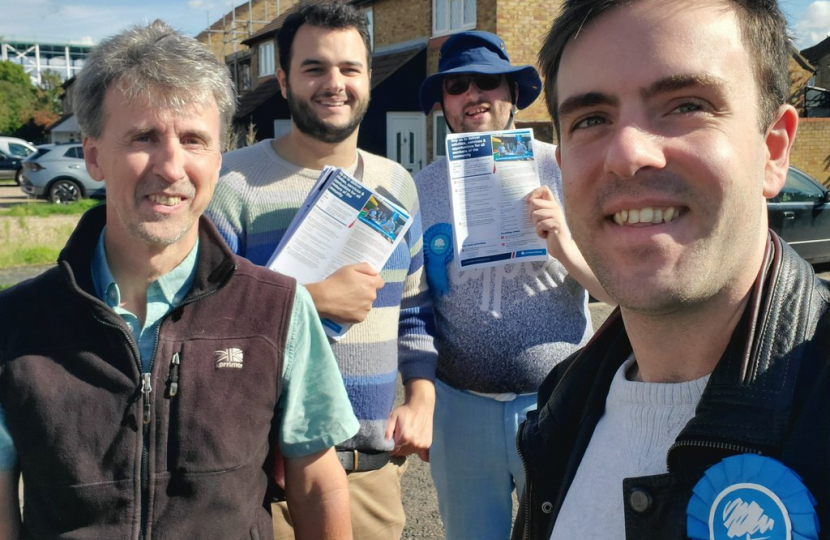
(87, 21)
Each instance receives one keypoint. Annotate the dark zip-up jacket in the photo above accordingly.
(769, 394)
(104, 454)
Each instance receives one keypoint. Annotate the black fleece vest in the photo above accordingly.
(101, 459)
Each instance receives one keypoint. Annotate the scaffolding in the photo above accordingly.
(36, 58)
(236, 30)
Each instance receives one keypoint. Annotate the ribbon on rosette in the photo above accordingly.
(751, 497)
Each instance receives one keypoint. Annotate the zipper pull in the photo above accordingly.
(174, 375)
(146, 389)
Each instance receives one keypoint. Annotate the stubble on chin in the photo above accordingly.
(309, 123)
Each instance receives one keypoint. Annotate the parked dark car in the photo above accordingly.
(800, 214)
(10, 166)
(12, 152)
(57, 172)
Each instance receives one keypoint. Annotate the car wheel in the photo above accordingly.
(18, 177)
(64, 191)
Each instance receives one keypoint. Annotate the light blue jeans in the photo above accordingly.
(474, 462)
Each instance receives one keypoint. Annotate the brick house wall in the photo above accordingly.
(396, 21)
(811, 150)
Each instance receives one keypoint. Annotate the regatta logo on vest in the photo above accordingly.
(229, 358)
(750, 512)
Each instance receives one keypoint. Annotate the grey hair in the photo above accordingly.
(156, 63)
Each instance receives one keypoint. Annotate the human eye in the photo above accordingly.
(689, 107)
(193, 141)
(589, 121)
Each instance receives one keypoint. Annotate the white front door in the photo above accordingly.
(406, 139)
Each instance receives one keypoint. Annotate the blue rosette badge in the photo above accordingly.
(750, 497)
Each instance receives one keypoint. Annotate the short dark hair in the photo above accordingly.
(763, 29)
(331, 15)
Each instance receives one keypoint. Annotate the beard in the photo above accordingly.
(309, 123)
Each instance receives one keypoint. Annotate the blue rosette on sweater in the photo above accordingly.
(438, 253)
(751, 497)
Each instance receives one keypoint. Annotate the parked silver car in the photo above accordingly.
(58, 173)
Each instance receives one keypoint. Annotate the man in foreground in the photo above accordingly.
(492, 353)
(324, 74)
(144, 402)
(695, 409)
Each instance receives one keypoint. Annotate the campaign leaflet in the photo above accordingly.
(341, 222)
(490, 175)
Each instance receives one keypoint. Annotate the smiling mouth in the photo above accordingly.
(165, 200)
(477, 111)
(646, 216)
(331, 99)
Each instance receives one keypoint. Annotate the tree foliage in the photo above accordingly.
(27, 110)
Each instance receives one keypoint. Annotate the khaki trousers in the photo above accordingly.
(375, 500)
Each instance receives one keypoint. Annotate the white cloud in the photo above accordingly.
(814, 24)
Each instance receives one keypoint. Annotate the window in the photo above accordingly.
(370, 21)
(439, 136)
(798, 188)
(19, 150)
(76, 152)
(266, 59)
(453, 16)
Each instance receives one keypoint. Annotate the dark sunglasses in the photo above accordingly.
(456, 85)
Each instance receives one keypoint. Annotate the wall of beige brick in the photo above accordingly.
(811, 151)
(396, 21)
(522, 25)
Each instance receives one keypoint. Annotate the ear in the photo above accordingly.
(779, 141)
(91, 157)
(282, 79)
(558, 155)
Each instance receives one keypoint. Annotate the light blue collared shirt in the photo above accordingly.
(163, 295)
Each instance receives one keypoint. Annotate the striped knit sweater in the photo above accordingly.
(256, 198)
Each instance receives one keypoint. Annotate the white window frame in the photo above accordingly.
(448, 28)
(439, 150)
(266, 59)
(370, 22)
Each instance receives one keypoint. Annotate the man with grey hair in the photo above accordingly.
(169, 368)
(700, 408)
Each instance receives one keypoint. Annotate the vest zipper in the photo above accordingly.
(526, 494)
(146, 410)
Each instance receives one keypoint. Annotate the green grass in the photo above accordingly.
(33, 240)
(43, 210)
(29, 255)
(5, 287)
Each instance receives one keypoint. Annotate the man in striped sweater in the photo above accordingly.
(325, 56)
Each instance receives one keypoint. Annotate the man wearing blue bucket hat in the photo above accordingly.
(493, 353)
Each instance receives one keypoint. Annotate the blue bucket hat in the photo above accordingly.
(478, 52)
